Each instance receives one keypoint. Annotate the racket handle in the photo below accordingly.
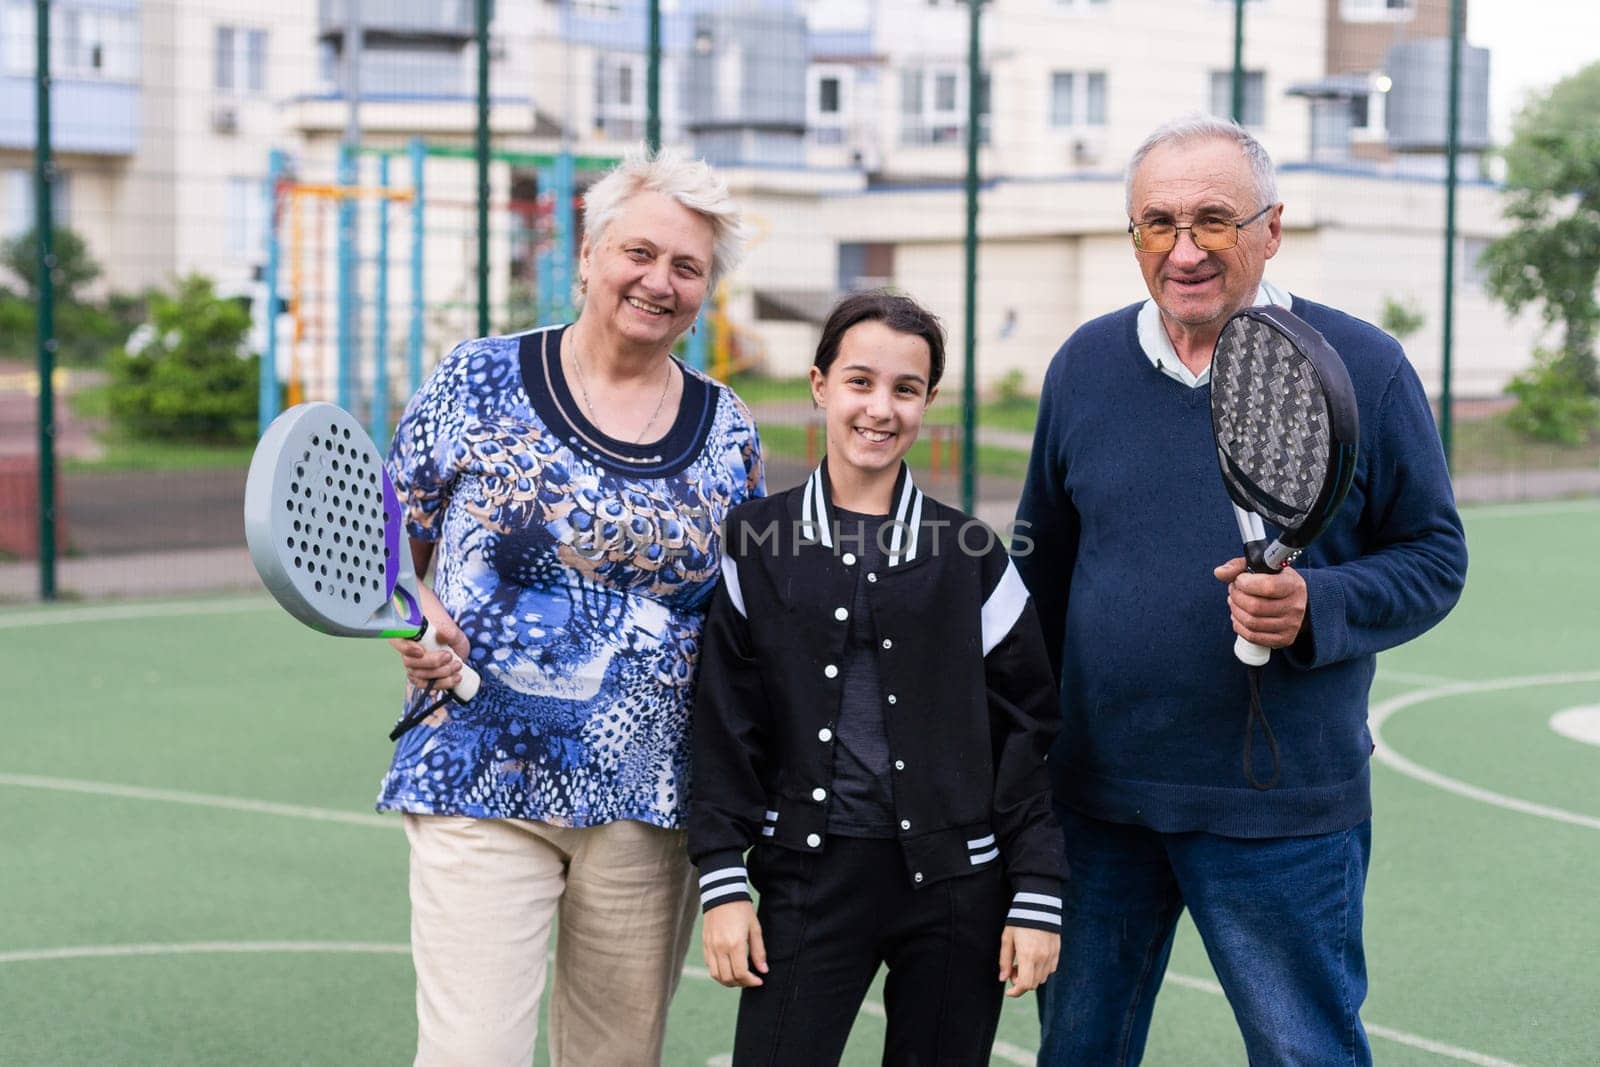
(1251, 654)
(467, 688)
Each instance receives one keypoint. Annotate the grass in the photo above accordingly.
(123, 454)
(1013, 413)
(1490, 444)
(93, 403)
(789, 442)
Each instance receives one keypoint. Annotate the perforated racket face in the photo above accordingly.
(323, 526)
(1270, 419)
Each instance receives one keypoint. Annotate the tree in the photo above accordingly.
(1400, 318)
(86, 328)
(1551, 257)
(191, 381)
(75, 268)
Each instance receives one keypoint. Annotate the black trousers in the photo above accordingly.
(829, 919)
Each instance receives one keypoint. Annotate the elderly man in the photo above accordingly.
(1136, 572)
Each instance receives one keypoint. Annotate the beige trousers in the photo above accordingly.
(484, 893)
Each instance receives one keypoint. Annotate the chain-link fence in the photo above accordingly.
(315, 165)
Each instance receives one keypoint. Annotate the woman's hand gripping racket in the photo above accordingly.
(323, 524)
(1283, 414)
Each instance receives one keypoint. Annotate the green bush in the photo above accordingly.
(1012, 389)
(1552, 402)
(86, 330)
(186, 379)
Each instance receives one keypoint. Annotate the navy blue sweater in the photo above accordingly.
(1127, 516)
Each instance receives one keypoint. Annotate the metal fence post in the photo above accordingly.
(969, 385)
(44, 224)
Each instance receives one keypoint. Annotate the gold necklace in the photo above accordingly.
(583, 388)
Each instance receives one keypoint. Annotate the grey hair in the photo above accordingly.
(1197, 126)
(673, 173)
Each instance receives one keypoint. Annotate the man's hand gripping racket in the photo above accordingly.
(1283, 414)
(323, 524)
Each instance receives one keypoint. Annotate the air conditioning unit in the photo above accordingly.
(225, 118)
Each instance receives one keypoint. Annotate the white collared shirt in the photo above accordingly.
(1158, 346)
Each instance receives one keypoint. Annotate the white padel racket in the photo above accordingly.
(323, 524)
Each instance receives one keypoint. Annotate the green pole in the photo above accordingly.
(481, 27)
(44, 223)
(1452, 149)
(1237, 107)
(969, 386)
(652, 80)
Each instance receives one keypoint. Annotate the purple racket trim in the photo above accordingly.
(391, 535)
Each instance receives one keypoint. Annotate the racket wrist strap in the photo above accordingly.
(1258, 714)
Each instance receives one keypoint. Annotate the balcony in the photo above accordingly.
(95, 118)
(401, 19)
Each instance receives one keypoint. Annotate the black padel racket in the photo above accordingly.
(323, 524)
(1283, 414)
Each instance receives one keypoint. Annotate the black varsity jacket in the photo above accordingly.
(969, 701)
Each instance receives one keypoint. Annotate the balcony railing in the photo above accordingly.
(403, 18)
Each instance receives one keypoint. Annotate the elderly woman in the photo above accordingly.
(574, 481)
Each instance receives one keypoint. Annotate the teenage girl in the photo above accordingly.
(874, 709)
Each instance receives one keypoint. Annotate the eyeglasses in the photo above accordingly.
(1209, 234)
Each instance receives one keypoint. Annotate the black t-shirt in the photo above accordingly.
(863, 803)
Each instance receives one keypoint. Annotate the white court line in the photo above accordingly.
(132, 612)
(1578, 724)
(1003, 1050)
(197, 948)
(1412, 678)
(201, 800)
(1383, 753)
(1400, 1037)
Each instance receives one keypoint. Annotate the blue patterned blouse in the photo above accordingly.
(580, 568)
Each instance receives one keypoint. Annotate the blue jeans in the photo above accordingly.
(1280, 918)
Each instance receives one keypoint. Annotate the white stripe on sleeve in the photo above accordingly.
(730, 578)
(1036, 916)
(1003, 608)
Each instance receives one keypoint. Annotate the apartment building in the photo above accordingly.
(842, 124)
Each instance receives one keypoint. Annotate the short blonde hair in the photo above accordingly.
(673, 173)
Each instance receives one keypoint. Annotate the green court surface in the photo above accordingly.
(191, 872)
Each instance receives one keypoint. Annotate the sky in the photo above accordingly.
(1532, 44)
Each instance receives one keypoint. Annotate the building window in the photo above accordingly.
(1369, 115)
(865, 266)
(828, 104)
(86, 44)
(828, 96)
(1077, 98)
(605, 8)
(247, 211)
(1255, 96)
(933, 105)
(618, 105)
(1377, 10)
(1469, 264)
(241, 60)
(16, 202)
